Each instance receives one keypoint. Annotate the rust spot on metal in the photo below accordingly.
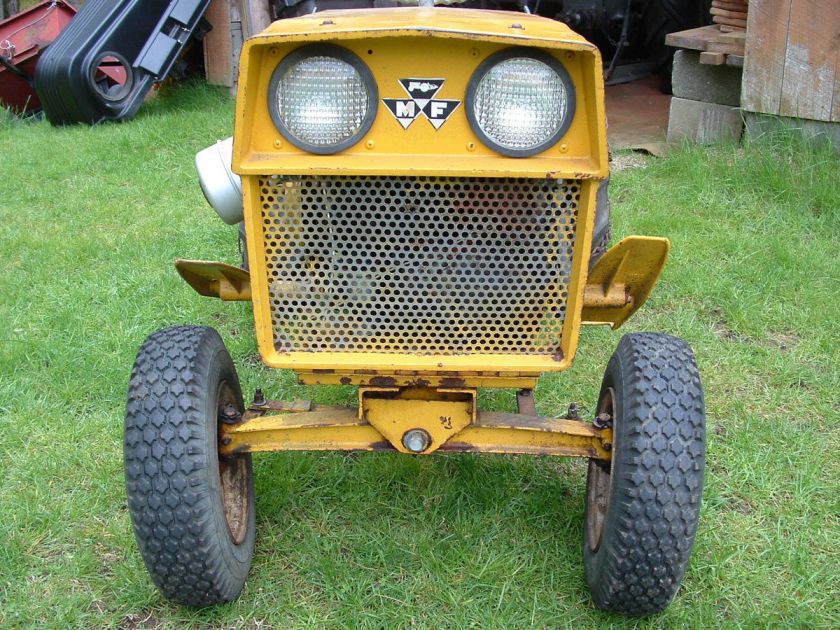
(458, 447)
(420, 382)
(453, 382)
(323, 371)
(346, 380)
(383, 381)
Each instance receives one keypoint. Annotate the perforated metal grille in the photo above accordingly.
(421, 265)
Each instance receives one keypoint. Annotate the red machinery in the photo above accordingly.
(23, 37)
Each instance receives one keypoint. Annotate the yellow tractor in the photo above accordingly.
(419, 189)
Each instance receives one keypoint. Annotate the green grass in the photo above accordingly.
(90, 222)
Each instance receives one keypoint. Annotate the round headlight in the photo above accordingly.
(322, 98)
(520, 102)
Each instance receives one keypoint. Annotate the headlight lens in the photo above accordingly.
(520, 102)
(322, 98)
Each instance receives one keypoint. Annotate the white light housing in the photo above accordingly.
(322, 98)
(520, 102)
(221, 186)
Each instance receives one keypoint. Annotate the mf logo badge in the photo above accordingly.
(421, 101)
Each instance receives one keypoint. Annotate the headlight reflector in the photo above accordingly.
(322, 98)
(520, 102)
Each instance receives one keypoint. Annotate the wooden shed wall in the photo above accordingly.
(792, 59)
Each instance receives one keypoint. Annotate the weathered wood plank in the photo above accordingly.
(729, 6)
(810, 59)
(218, 53)
(712, 58)
(729, 43)
(255, 16)
(738, 15)
(764, 61)
(694, 38)
(835, 99)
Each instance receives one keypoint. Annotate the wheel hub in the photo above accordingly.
(233, 474)
(600, 479)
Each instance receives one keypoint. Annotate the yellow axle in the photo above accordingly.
(388, 419)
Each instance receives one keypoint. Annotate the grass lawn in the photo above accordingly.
(90, 222)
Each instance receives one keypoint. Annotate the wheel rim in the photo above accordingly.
(599, 486)
(233, 476)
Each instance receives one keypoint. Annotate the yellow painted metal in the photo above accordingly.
(411, 42)
(215, 279)
(341, 429)
(324, 429)
(419, 379)
(521, 367)
(400, 43)
(622, 279)
(393, 411)
(513, 433)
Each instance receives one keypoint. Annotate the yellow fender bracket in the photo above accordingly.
(216, 279)
(622, 279)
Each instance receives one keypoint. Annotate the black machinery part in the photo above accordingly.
(628, 32)
(143, 38)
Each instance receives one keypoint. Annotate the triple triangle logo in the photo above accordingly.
(421, 101)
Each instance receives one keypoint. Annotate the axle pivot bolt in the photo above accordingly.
(416, 440)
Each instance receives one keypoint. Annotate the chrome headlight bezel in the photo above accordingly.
(323, 50)
(515, 53)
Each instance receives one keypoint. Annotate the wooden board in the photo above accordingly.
(255, 16)
(218, 53)
(712, 58)
(730, 43)
(811, 57)
(731, 6)
(738, 15)
(707, 38)
(792, 61)
(740, 24)
(694, 38)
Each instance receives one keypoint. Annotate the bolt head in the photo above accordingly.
(416, 440)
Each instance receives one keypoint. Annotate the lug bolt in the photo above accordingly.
(602, 421)
(230, 415)
(259, 397)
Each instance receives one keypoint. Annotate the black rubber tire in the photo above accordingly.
(242, 244)
(635, 561)
(174, 476)
(602, 231)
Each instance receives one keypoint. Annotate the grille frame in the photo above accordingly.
(385, 361)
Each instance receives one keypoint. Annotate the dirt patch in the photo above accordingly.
(252, 359)
(626, 161)
(783, 341)
(743, 505)
(721, 327)
(144, 620)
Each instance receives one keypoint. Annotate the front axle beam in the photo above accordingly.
(327, 428)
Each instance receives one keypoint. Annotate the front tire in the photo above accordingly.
(642, 507)
(192, 511)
